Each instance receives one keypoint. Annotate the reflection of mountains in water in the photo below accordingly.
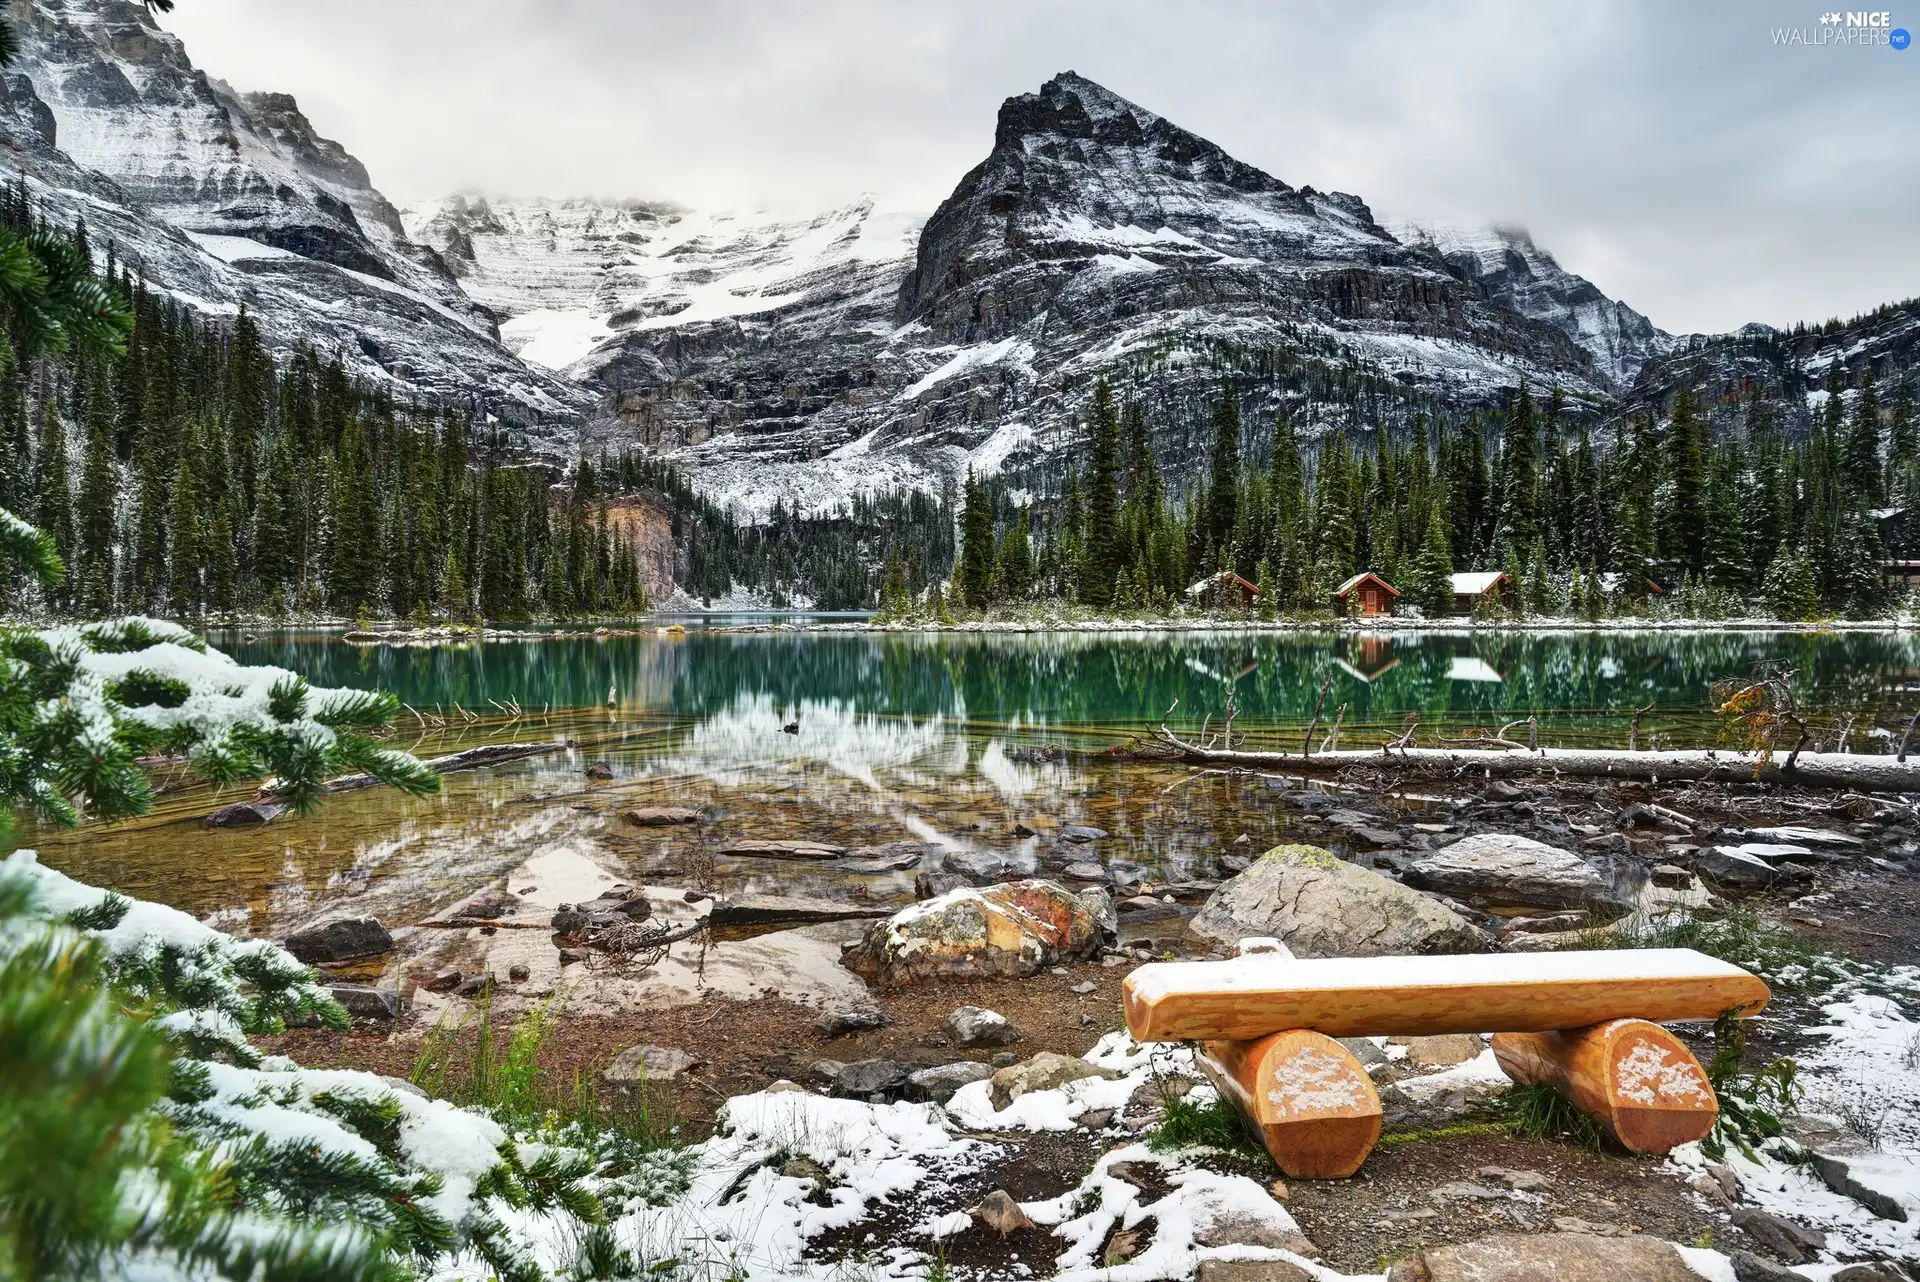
(1049, 684)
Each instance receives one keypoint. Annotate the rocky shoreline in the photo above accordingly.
(993, 1000)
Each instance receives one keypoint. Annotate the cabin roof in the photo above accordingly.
(1201, 585)
(1362, 577)
(1475, 582)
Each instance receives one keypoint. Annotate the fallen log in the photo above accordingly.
(1305, 1095)
(468, 759)
(1633, 1077)
(1875, 773)
(1249, 997)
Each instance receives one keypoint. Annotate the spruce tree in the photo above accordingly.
(973, 577)
(1519, 477)
(1223, 481)
(1863, 465)
(99, 498)
(1015, 569)
(185, 545)
(1100, 562)
(1432, 585)
(1683, 539)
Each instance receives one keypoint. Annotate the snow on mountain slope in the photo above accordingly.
(229, 199)
(568, 274)
(1518, 274)
(1096, 239)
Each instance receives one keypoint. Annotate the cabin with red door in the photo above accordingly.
(1364, 596)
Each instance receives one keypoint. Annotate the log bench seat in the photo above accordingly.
(1585, 1023)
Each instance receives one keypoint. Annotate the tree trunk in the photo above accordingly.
(1633, 1077)
(1305, 1095)
(1878, 773)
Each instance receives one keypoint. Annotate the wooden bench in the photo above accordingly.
(1581, 1022)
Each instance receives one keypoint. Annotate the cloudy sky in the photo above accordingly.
(1674, 154)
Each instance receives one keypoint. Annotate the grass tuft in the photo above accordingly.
(1213, 1124)
(1542, 1113)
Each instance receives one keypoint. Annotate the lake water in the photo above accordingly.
(901, 737)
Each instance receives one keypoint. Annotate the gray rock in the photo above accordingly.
(1321, 906)
(1524, 1181)
(843, 1020)
(570, 919)
(1364, 1050)
(1046, 1071)
(1510, 869)
(1793, 1242)
(1670, 877)
(662, 816)
(1081, 833)
(977, 1026)
(786, 910)
(1251, 1271)
(1748, 1267)
(1837, 1176)
(1867, 1273)
(648, 1063)
(1734, 869)
(442, 981)
(932, 885)
(824, 1072)
(599, 770)
(1563, 1257)
(244, 814)
(363, 1002)
(518, 973)
(1106, 918)
(473, 986)
(866, 1077)
(1145, 908)
(939, 1084)
(1085, 872)
(340, 939)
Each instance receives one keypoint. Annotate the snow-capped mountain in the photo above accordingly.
(1516, 273)
(802, 361)
(231, 199)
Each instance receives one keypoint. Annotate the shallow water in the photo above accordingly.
(900, 738)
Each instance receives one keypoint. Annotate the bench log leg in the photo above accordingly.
(1310, 1101)
(1630, 1075)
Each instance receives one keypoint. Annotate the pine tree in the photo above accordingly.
(1014, 572)
(53, 486)
(1519, 477)
(99, 495)
(1432, 585)
(185, 545)
(1683, 534)
(1223, 480)
(1100, 562)
(1789, 587)
(973, 576)
(1863, 465)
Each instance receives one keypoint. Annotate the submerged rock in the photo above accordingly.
(784, 910)
(1321, 906)
(662, 816)
(1511, 869)
(244, 814)
(340, 939)
(362, 1002)
(1012, 930)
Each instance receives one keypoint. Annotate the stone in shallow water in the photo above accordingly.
(362, 1002)
(1010, 930)
(340, 939)
(662, 816)
(244, 814)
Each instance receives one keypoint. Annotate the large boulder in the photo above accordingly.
(1508, 869)
(1012, 930)
(1564, 1257)
(340, 939)
(1322, 906)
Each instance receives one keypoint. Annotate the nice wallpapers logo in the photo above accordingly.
(1851, 30)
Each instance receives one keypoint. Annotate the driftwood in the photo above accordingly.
(470, 759)
(1868, 773)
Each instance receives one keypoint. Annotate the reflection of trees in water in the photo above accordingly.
(1050, 680)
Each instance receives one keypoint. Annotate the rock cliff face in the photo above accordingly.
(1516, 274)
(231, 199)
(803, 361)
